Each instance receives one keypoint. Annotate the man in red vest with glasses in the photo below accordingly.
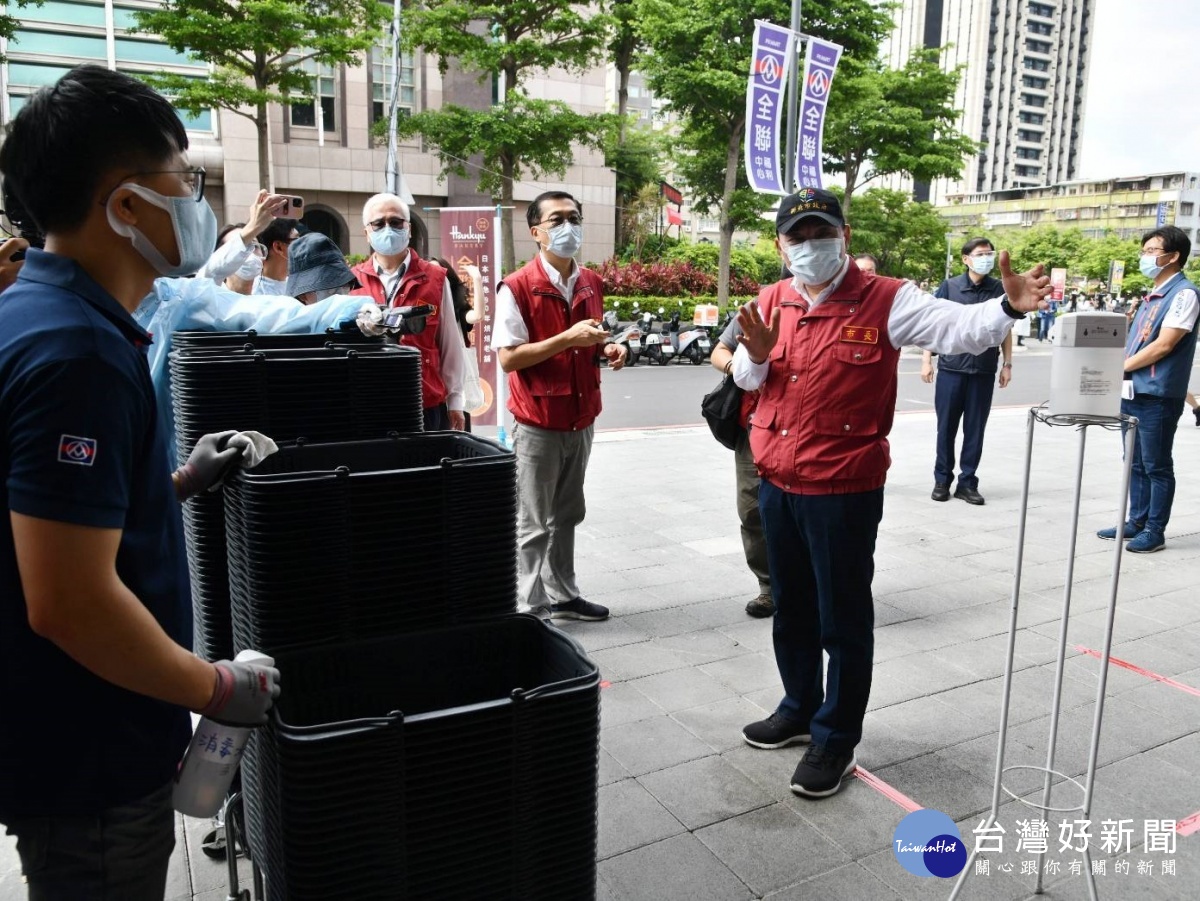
(395, 276)
(822, 348)
(549, 339)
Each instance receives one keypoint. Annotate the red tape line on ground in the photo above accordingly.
(1188, 825)
(898, 797)
(1116, 661)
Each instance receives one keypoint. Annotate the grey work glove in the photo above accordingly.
(209, 461)
(244, 693)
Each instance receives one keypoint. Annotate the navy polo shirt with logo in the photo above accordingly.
(81, 443)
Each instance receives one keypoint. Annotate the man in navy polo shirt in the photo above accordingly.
(95, 615)
(963, 392)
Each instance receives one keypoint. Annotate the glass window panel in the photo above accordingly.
(35, 75)
(131, 51)
(65, 13)
(76, 45)
(15, 102)
(124, 17)
(328, 114)
(304, 115)
(202, 122)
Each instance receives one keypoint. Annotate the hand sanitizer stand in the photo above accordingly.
(1086, 378)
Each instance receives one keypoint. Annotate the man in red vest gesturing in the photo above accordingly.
(821, 348)
(395, 276)
(548, 337)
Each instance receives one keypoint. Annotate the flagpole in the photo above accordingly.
(793, 112)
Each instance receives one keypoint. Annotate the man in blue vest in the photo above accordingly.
(964, 381)
(1158, 361)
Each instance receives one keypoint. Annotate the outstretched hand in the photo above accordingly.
(1025, 291)
(758, 338)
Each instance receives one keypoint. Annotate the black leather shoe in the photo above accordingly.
(941, 493)
(970, 495)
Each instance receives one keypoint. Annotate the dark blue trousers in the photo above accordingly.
(821, 555)
(965, 397)
(1152, 476)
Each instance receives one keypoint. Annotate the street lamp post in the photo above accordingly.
(793, 112)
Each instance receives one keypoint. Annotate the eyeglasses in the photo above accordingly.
(259, 250)
(193, 177)
(982, 253)
(555, 221)
(390, 222)
(1157, 251)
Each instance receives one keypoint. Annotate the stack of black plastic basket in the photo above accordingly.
(459, 763)
(428, 737)
(353, 540)
(287, 387)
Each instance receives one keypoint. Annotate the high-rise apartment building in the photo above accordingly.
(1023, 84)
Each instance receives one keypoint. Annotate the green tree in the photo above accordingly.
(1053, 247)
(258, 50)
(508, 38)
(635, 156)
(907, 238)
(697, 61)
(885, 121)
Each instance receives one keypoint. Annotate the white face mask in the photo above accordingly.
(251, 269)
(195, 226)
(565, 239)
(817, 260)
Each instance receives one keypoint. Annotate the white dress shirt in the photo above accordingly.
(917, 317)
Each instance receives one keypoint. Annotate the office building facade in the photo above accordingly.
(323, 147)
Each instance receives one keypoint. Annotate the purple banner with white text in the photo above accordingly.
(770, 69)
(819, 65)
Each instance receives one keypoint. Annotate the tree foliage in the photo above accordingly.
(697, 61)
(884, 121)
(509, 38)
(908, 239)
(258, 49)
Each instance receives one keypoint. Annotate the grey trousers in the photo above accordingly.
(550, 471)
(121, 853)
(753, 542)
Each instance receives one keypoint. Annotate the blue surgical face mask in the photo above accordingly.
(194, 223)
(982, 265)
(817, 260)
(1147, 264)
(389, 241)
(565, 239)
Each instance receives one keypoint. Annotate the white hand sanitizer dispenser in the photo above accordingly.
(1088, 364)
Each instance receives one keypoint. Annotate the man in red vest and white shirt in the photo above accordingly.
(822, 349)
(549, 340)
(395, 276)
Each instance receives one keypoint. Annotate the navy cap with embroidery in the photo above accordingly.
(808, 202)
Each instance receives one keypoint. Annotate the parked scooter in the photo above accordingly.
(630, 336)
(692, 343)
(658, 345)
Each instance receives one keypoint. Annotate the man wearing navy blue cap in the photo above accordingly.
(822, 348)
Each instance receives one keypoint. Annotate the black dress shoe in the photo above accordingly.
(970, 495)
(941, 493)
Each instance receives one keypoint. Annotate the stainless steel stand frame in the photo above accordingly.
(1128, 425)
